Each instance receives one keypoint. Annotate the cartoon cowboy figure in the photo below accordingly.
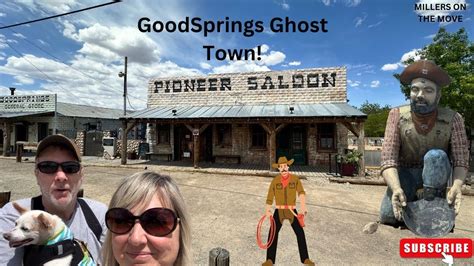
(284, 188)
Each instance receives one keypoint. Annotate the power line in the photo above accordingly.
(130, 104)
(46, 75)
(59, 15)
(70, 66)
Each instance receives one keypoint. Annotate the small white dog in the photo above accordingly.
(53, 240)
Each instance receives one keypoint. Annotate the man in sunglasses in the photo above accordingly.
(59, 174)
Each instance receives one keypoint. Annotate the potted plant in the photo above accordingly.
(350, 163)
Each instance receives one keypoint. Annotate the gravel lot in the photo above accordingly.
(225, 210)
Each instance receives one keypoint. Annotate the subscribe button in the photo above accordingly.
(435, 247)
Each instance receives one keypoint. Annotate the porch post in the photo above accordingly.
(196, 144)
(272, 130)
(196, 130)
(123, 157)
(125, 129)
(361, 148)
(6, 139)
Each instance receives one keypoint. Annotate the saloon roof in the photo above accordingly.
(320, 110)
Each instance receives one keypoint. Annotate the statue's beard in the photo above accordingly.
(423, 109)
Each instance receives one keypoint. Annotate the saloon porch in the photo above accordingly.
(250, 134)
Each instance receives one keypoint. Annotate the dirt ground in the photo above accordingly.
(225, 210)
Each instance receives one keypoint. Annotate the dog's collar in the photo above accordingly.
(63, 234)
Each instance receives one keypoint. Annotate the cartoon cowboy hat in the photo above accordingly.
(283, 160)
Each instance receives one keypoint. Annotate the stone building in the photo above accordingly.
(251, 118)
(30, 118)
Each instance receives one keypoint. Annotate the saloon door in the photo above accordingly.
(291, 142)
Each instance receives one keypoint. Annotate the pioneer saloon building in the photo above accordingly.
(30, 118)
(251, 117)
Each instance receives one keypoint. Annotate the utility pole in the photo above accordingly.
(124, 76)
(124, 122)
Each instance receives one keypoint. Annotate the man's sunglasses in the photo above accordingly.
(50, 167)
(156, 221)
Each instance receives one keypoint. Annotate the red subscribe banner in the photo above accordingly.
(434, 247)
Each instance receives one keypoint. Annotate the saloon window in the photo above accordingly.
(259, 136)
(326, 136)
(163, 132)
(224, 135)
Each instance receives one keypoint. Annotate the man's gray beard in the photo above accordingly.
(422, 110)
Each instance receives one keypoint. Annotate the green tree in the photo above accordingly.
(372, 108)
(454, 53)
(376, 118)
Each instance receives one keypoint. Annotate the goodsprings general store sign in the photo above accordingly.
(28, 103)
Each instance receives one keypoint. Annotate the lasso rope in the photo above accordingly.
(271, 233)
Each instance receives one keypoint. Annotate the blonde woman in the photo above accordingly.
(148, 223)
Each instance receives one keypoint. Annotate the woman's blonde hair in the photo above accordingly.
(138, 190)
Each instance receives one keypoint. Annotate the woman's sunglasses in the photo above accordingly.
(50, 167)
(156, 221)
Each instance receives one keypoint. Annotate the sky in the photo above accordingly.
(79, 56)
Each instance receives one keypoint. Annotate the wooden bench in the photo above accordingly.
(227, 157)
(150, 155)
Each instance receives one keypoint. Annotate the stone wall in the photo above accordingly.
(81, 135)
(132, 146)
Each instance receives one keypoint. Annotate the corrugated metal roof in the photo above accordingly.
(250, 111)
(77, 110)
(21, 114)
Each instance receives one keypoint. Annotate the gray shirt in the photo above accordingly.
(77, 224)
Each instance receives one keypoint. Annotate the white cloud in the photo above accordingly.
(43, 42)
(375, 84)
(49, 6)
(294, 63)
(205, 65)
(353, 83)
(2, 14)
(431, 36)
(412, 54)
(19, 35)
(274, 58)
(390, 67)
(284, 5)
(70, 31)
(112, 43)
(23, 80)
(374, 25)
(327, 2)
(264, 48)
(359, 20)
(94, 81)
(353, 3)
(348, 3)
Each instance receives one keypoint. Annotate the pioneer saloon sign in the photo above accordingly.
(28, 103)
(270, 81)
(312, 85)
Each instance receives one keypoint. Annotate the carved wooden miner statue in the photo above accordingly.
(424, 144)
